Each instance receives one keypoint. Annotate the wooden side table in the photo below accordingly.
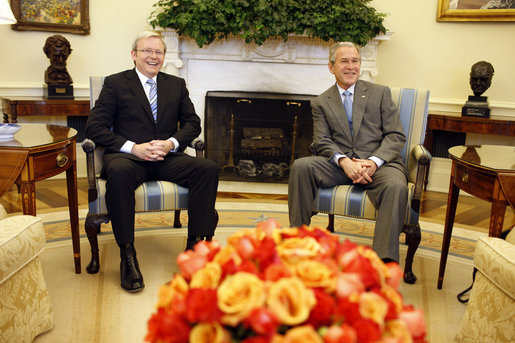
(487, 172)
(14, 107)
(37, 152)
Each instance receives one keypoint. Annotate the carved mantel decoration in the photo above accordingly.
(297, 50)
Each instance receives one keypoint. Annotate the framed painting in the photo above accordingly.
(476, 10)
(70, 16)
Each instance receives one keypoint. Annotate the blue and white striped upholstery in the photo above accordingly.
(348, 200)
(151, 195)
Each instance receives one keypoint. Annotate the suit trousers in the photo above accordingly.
(388, 192)
(124, 174)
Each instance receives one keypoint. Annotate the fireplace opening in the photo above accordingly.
(256, 136)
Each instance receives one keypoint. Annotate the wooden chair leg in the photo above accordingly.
(413, 237)
(330, 225)
(177, 219)
(92, 227)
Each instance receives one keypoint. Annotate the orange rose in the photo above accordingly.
(209, 333)
(293, 250)
(391, 294)
(208, 277)
(302, 334)
(372, 306)
(167, 292)
(227, 254)
(397, 329)
(239, 294)
(316, 274)
(290, 300)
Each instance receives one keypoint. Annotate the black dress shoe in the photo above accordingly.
(130, 275)
(191, 241)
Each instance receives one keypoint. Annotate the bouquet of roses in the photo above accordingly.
(273, 285)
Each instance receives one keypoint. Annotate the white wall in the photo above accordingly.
(421, 53)
(106, 50)
(438, 55)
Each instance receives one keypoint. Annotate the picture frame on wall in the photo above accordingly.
(67, 16)
(476, 10)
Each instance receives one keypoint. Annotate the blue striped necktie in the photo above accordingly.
(152, 97)
(347, 104)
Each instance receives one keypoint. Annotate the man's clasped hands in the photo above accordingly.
(358, 170)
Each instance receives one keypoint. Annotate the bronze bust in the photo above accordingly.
(57, 48)
(481, 75)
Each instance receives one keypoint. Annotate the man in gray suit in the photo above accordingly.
(358, 137)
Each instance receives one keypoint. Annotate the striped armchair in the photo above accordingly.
(352, 201)
(150, 196)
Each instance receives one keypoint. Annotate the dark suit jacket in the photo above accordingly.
(123, 106)
(375, 119)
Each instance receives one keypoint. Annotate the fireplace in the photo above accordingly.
(267, 120)
(256, 136)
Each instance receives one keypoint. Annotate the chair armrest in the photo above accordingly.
(199, 145)
(423, 157)
(89, 148)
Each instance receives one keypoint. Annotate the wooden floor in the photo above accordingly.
(472, 212)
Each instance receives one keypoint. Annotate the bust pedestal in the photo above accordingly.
(476, 106)
(55, 91)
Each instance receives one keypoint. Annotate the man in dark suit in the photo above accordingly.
(144, 139)
(359, 137)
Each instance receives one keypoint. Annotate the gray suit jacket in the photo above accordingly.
(375, 119)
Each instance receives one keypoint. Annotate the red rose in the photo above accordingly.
(266, 253)
(189, 262)
(249, 267)
(257, 339)
(229, 268)
(329, 244)
(201, 306)
(362, 266)
(414, 320)
(167, 327)
(276, 271)
(345, 247)
(322, 313)
(341, 334)
(395, 274)
(347, 311)
(262, 321)
(368, 331)
(246, 247)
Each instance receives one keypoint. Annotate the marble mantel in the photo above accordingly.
(297, 66)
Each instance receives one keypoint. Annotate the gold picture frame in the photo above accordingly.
(446, 12)
(71, 16)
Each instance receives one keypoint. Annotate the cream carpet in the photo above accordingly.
(94, 308)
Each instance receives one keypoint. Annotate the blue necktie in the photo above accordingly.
(152, 97)
(347, 104)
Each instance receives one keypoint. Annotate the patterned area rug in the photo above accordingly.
(93, 307)
(247, 215)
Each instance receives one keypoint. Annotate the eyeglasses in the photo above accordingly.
(149, 52)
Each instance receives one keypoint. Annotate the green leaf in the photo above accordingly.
(258, 20)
